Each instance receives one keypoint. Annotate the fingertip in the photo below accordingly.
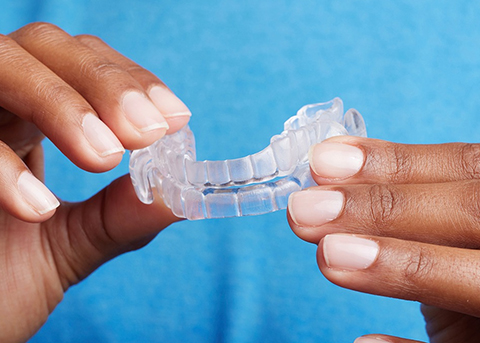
(348, 252)
(173, 109)
(176, 123)
(38, 202)
(85, 157)
(138, 123)
(348, 260)
(304, 233)
(290, 209)
(320, 255)
(311, 211)
(375, 338)
(142, 113)
(370, 339)
(335, 160)
(140, 140)
(100, 137)
(167, 102)
(98, 164)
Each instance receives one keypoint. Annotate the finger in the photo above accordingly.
(349, 159)
(173, 109)
(23, 195)
(445, 213)
(444, 326)
(118, 99)
(434, 275)
(33, 92)
(110, 223)
(34, 161)
(383, 339)
(19, 135)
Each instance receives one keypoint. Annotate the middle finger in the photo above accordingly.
(119, 100)
(444, 213)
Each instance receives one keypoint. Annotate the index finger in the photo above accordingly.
(349, 159)
(117, 98)
(34, 93)
(172, 108)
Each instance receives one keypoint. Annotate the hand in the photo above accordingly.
(93, 103)
(400, 221)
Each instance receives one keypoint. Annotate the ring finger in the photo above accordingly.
(445, 277)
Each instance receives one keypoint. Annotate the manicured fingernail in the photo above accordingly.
(347, 252)
(335, 160)
(36, 193)
(100, 137)
(142, 113)
(315, 207)
(369, 340)
(168, 103)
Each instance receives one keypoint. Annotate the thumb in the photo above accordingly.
(127, 219)
(110, 223)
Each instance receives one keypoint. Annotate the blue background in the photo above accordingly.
(411, 68)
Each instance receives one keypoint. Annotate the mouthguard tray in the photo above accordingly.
(252, 185)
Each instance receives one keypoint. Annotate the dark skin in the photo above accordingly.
(418, 205)
(51, 82)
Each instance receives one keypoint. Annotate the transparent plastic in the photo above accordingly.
(255, 184)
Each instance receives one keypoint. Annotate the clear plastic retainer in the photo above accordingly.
(255, 184)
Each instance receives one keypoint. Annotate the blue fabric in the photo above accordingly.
(243, 67)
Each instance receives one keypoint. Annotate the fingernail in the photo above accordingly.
(335, 160)
(36, 193)
(100, 137)
(168, 103)
(142, 113)
(347, 252)
(370, 340)
(315, 207)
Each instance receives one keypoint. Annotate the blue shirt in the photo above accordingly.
(244, 67)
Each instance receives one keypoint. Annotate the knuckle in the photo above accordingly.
(384, 203)
(392, 161)
(399, 164)
(5, 40)
(98, 69)
(48, 89)
(470, 160)
(7, 46)
(38, 29)
(148, 79)
(417, 266)
(135, 69)
(88, 39)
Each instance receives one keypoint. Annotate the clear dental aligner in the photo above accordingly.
(255, 184)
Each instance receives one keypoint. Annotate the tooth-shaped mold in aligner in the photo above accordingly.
(141, 164)
(285, 152)
(255, 184)
(217, 172)
(354, 123)
(240, 169)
